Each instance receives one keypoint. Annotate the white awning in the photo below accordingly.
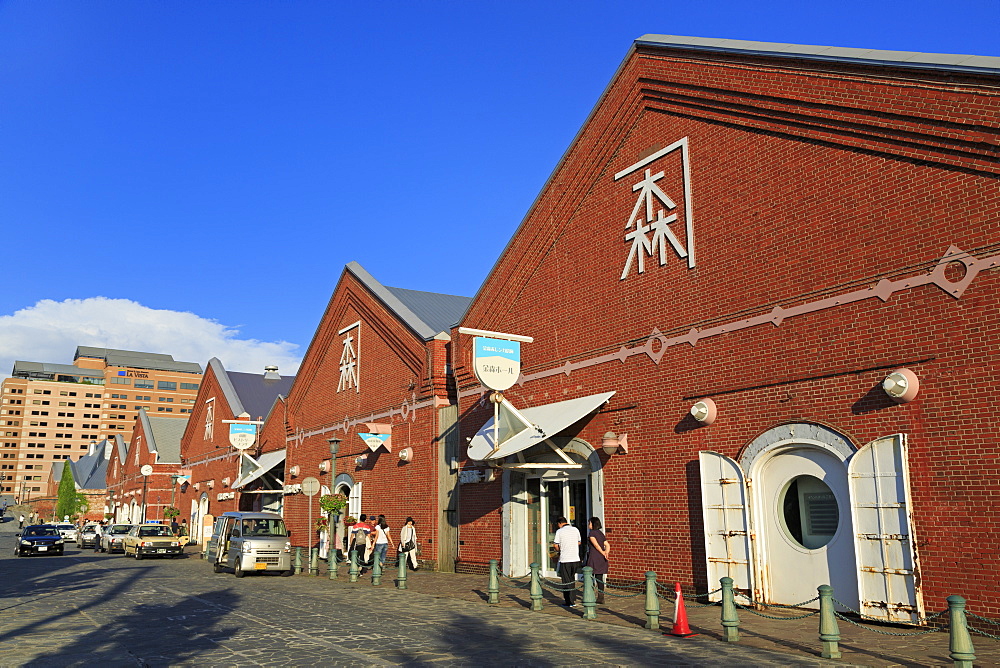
(545, 422)
(251, 468)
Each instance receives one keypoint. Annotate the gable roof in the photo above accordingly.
(251, 393)
(426, 313)
(163, 436)
(935, 61)
(89, 472)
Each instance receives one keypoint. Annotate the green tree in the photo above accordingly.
(67, 503)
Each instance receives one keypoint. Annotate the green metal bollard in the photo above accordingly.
(331, 564)
(829, 632)
(652, 602)
(298, 560)
(589, 595)
(401, 560)
(960, 646)
(377, 571)
(536, 587)
(494, 585)
(353, 572)
(314, 561)
(730, 618)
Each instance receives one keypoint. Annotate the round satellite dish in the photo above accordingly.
(146, 469)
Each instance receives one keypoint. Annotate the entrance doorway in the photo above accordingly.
(547, 500)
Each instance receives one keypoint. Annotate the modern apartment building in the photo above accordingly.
(54, 412)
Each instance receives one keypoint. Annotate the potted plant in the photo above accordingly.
(170, 512)
(332, 504)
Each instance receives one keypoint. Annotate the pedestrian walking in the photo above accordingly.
(597, 555)
(20, 524)
(567, 542)
(175, 528)
(183, 536)
(358, 542)
(408, 542)
(99, 530)
(382, 540)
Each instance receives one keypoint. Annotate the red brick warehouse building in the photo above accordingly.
(774, 268)
(376, 376)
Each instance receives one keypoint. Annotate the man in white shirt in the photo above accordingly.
(567, 541)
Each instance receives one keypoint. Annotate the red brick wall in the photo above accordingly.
(809, 181)
(394, 375)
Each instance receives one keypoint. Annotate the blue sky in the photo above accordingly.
(191, 177)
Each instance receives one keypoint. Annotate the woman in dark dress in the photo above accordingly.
(597, 555)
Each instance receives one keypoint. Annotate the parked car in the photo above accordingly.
(113, 538)
(68, 531)
(249, 542)
(39, 539)
(151, 540)
(87, 536)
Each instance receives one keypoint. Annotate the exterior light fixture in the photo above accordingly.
(294, 471)
(406, 454)
(611, 442)
(705, 411)
(226, 481)
(334, 445)
(901, 385)
(324, 466)
(361, 461)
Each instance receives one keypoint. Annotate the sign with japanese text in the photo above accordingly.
(497, 362)
(242, 436)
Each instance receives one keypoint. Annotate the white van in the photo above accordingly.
(249, 542)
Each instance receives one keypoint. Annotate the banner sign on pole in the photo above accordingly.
(497, 362)
(242, 436)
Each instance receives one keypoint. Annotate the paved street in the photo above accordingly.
(94, 609)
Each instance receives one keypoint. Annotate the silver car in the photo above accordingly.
(87, 536)
(113, 538)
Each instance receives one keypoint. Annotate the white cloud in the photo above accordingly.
(50, 331)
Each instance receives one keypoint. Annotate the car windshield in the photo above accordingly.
(154, 531)
(264, 527)
(40, 531)
(90, 527)
(66, 527)
(121, 528)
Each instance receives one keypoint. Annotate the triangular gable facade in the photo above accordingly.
(744, 236)
(377, 369)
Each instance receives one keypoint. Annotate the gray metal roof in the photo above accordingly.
(934, 61)
(90, 471)
(163, 436)
(24, 369)
(137, 360)
(257, 393)
(426, 313)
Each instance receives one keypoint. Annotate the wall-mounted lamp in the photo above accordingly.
(324, 466)
(705, 411)
(210, 484)
(197, 486)
(294, 471)
(361, 461)
(226, 481)
(406, 454)
(612, 442)
(901, 385)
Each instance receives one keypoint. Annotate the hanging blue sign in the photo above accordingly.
(497, 362)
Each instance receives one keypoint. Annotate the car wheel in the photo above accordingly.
(288, 573)
(17, 552)
(238, 570)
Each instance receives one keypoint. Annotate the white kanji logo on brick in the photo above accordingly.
(654, 211)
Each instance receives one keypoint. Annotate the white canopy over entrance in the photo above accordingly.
(515, 430)
(251, 469)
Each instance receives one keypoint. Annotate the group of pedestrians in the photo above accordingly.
(370, 539)
(568, 543)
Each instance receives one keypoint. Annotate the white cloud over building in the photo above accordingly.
(51, 330)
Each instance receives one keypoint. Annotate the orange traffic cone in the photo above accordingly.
(681, 628)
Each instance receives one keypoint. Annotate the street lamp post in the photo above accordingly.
(146, 471)
(331, 555)
(173, 486)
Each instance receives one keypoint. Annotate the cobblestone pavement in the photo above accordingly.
(88, 609)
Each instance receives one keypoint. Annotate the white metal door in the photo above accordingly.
(880, 499)
(724, 509)
(803, 522)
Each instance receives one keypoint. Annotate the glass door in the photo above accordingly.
(552, 499)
